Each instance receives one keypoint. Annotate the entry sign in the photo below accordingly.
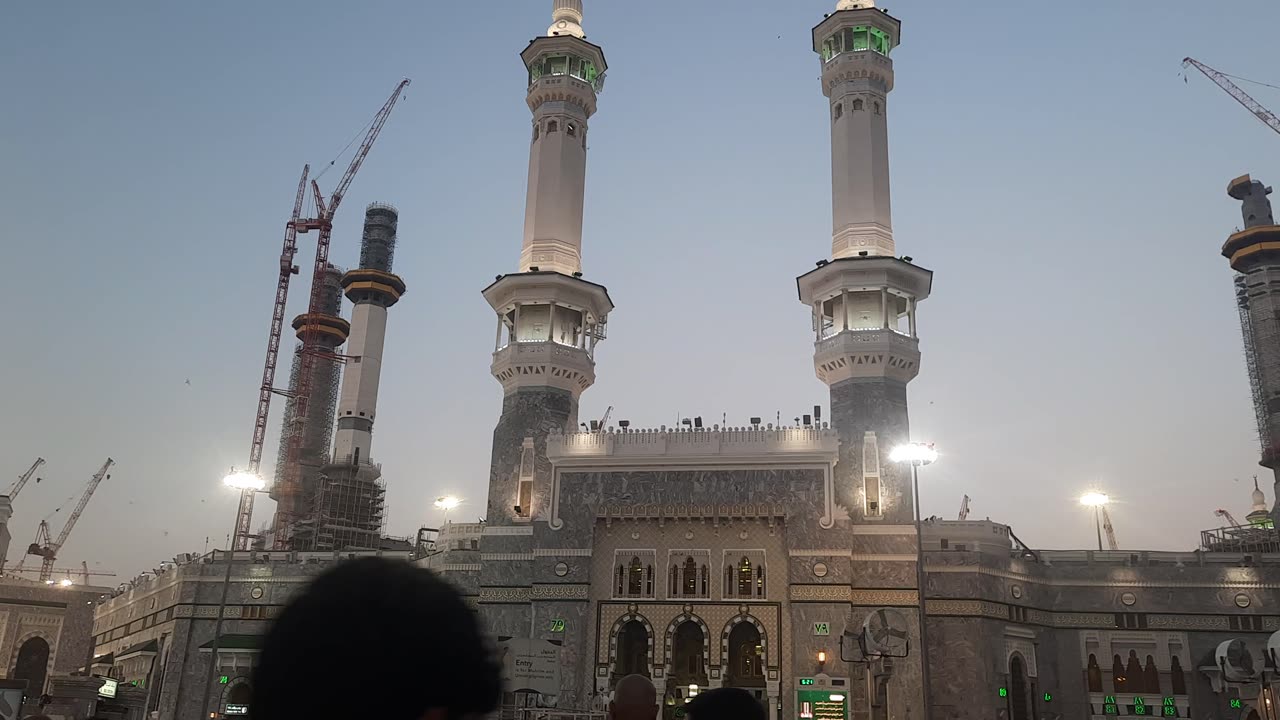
(531, 665)
(822, 628)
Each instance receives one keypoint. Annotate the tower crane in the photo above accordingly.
(1266, 116)
(24, 477)
(964, 508)
(286, 510)
(1108, 529)
(48, 550)
(1222, 513)
(287, 269)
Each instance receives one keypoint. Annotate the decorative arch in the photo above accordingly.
(239, 690)
(746, 617)
(669, 637)
(617, 628)
(20, 662)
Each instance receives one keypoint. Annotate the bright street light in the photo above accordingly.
(448, 502)
(65, 582)
(1094, 499)
(914, 453)
(244, 481)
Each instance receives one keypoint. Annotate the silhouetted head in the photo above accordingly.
(401, 626)
(724, 704)
(634, 699)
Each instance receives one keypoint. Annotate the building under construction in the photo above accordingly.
(330, 332)
(1254, 253)
(345, 509)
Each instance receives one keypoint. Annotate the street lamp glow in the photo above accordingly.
(244, 481)
(1094, 499)
(65, 582)
(914, 453)
(448, 502)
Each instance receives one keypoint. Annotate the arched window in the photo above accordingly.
(1177, 678)
(746, 666)
(536, 130)
(689, 586)
(744, 578)
(728, 581)
(571, 130)
(876, 106)
(620, 584)
(857, 104)
(553, 126)
(673, 581)
(648, 580)
(686, 655)
(635, 578)
(760, 581)
(240, 694)
(32, 664)
(1118, 683)
(1151, 677)
(1095, 674)
(839, 110)
(1133, 673)
(703, 577)
(1018, 695)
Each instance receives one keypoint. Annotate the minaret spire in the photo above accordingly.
(566, 19)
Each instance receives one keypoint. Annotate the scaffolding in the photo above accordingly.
(1251, 362)
(348, 509)
(1242, 539)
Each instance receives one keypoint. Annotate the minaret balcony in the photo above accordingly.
(867, 353)
(543, 364)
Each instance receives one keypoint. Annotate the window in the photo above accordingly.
(553, 126)
(857, 104)
(571, 130)
(535, 132)
(744, 578)
(1251, 623)
(1118, 682)
(1176, 677)
(1131, 621)
(1095, 674)
(524, 489)
(635, 573)
(876, 106)
(689, 584)
(557, 65)
(839, 110)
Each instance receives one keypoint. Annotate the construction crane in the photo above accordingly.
(1220, 512)
(286, 510)
(24, 477)
(48, 550)
(1266, 116)
(287, 269)
(83, 571)
(964, 508)
(605, 418)
(1108, 529)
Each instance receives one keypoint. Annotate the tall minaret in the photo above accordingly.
(548, 318)
(863, 304)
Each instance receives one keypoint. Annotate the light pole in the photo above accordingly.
(1096, 500)
(447, 503)
(919, 454)
(248, 484)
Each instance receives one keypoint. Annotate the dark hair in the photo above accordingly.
(725, 704)
(402, 630)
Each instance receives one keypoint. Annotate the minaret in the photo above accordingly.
(548, 319)
(1260, 514)
(349, 502)
(864, 300)
(863, 305)
(1254, 253)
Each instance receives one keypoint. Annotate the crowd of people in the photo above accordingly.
(413, 636)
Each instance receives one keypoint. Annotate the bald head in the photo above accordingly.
(634, 699)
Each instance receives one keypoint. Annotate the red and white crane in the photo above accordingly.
(286, 510)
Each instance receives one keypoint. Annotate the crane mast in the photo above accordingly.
(1266, 116)
(964, 508)
(24, 477)
(1109, 530)
(1223, 513)
(286, 511)
(48, 551)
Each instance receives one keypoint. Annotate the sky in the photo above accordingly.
(1049, 164)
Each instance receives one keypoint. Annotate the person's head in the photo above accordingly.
(634, 699)
(724, 704)
(402, 627)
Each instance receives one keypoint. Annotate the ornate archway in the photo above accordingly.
(236, 699)
(636, 623)
(682, 618)
(742, 617)
(31, 663)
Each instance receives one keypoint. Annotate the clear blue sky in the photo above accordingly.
(1049, 164)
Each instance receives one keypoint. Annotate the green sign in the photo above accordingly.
(1171, 712)
(557, 625)
(1003, 692)
(1048, 697)
(821, 628)
(1109, 706)
(822, 705)
(224, 679)
(1168, 702)
(806, 681)
(1235, 703)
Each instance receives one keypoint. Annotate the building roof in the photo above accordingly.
(236, 642)
(151, 646)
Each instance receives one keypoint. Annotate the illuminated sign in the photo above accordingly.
(1235, 703)
(822, 705)
(1139, 706)
(224, 679)
(821, 628)
(1048, 697)
(557, 625)
(108, 689)
(1170, 710)
(806, 681)
(1003, 692)
(233, 709)
(1109, 706)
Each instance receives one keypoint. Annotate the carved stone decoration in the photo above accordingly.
(561, 569)
(505, 595)
(558, 592)
(820, 569)
(1243, 600)
(1016, 591)
(820, 593)
(1128, 598)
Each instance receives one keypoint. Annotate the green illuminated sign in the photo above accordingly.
(822, 705)
(557, 625)
(1003, 692)
(1170, 709)
(1109, 706)
(1235, 703)
(821, 628)
(1048, 697)
(224, 679)
(806, 681)
(1139, 706)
